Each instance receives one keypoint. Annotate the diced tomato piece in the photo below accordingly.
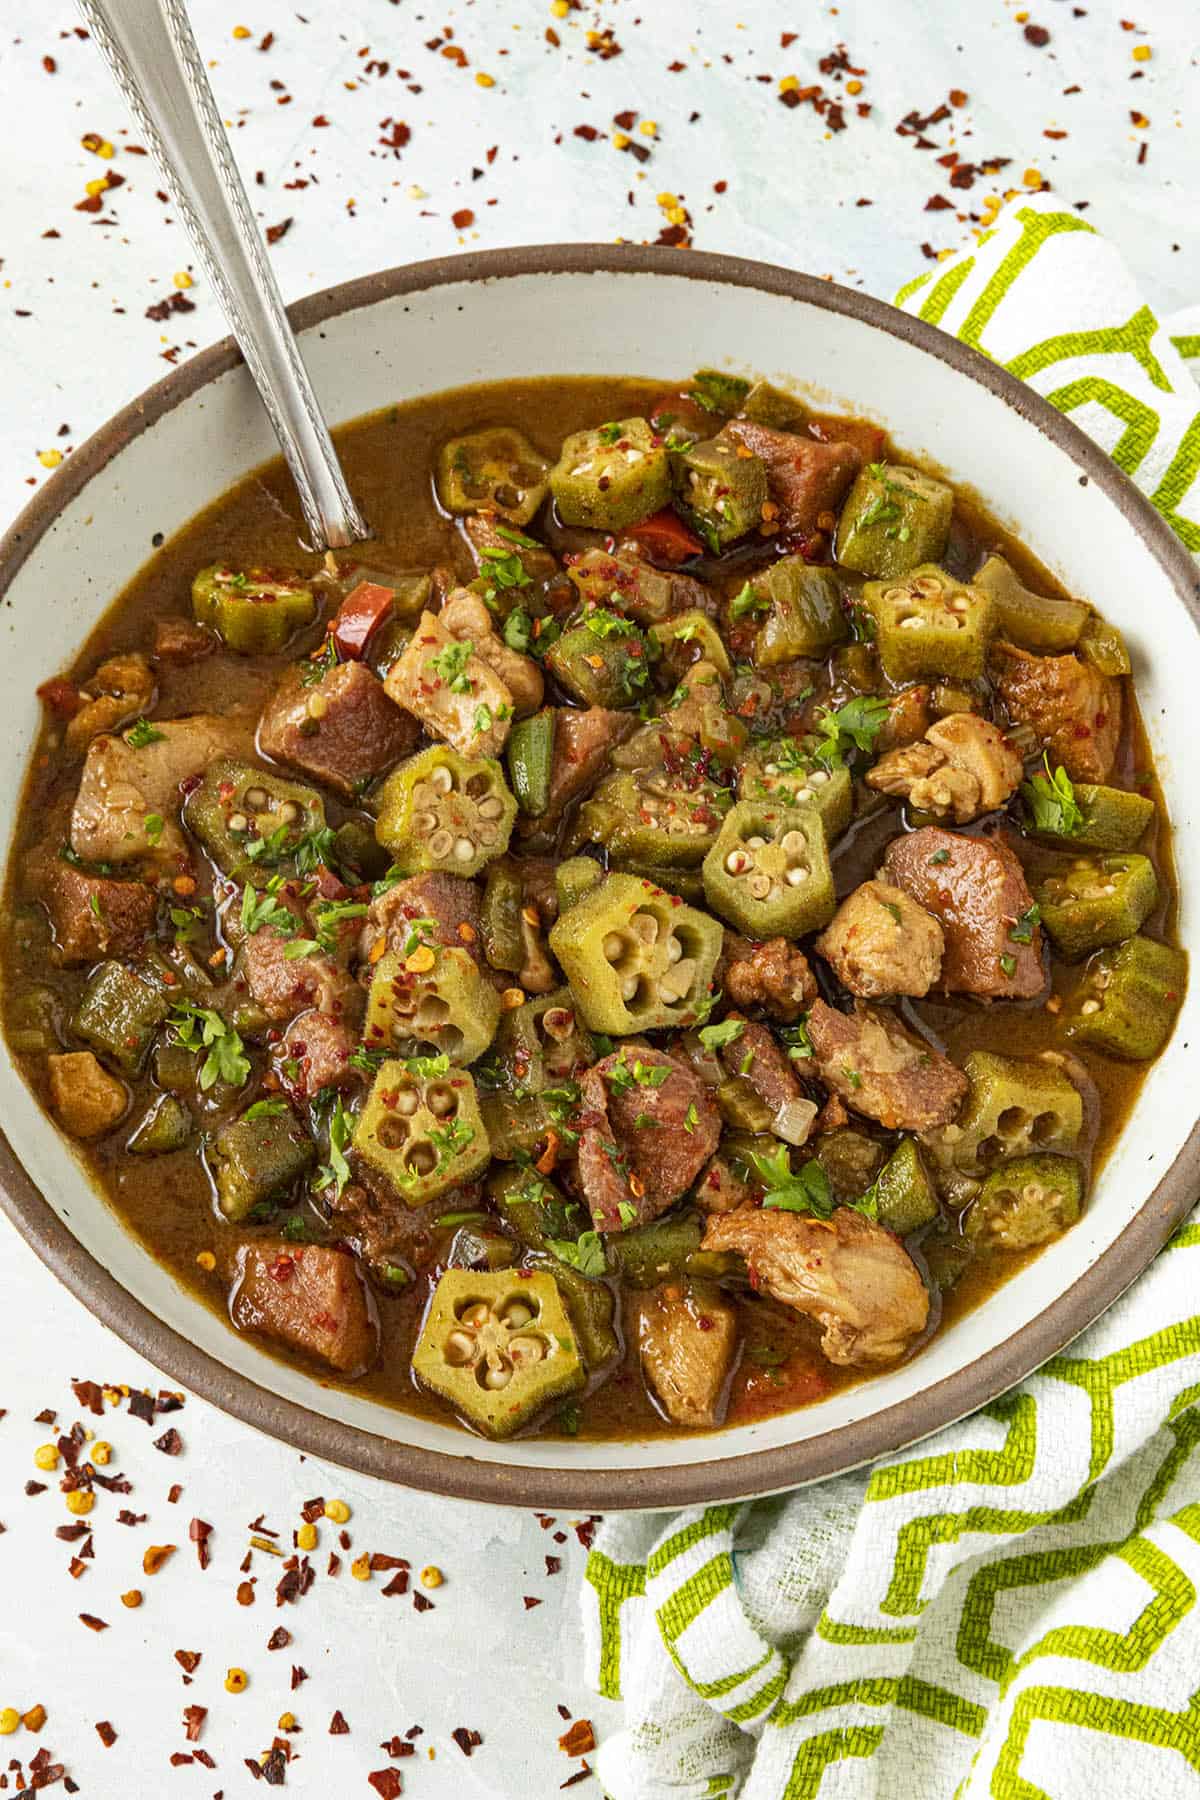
(359, 616)
(679, 409)
(62, 697)
(665, 538)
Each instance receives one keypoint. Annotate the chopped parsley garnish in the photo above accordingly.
(938, 858)
(1022, 929)
(621, 1078)
(604, 624)
(450, 666)
(854, 726)
(512, 536)
(265, 1109)
(141, 733)
(461, 1218)
(200, 1029)
(691, 1118)
(314, 668)
(609, 434)
(627, 1213)
(518, 630)
(450, 1139)
(483, 718)
(804, 1190)
(749, 600)
(336, 1172)
(503, 568)
(889, 906)
(1050, 799)
(1008, 965)
(796, 1039)
(715, 1037)
(153, 825)
(427, 1067)
(585, 1253)
(369, 1061)
(260, 909)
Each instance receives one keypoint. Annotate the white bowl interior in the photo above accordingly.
(632, 323)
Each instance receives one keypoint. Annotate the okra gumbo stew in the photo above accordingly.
(640, 945)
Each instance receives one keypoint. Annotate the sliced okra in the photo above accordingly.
(422, 1131)
(499, 1347)
(445, 812)
(637, 958)
(252, 612)
(498, 468)
(250, 822)
(613, 476)
(893, 519)
(1099, 900)
(768, 872)
(927, 623)
(434, 996)
(1129, 999)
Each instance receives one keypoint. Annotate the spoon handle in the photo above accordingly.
(149, 46)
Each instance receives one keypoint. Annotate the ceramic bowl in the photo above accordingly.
(591, 310)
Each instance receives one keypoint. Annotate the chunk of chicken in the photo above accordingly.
(466, 617)
(122, 788)
(878, 1068)
(1075, 710)
(963, 768)
(908, 718)
(847, 1272)
(687, 1339)
(121, 688)
(88, 1100)
(880, 942)
(975, 887)
(773, 975)
(642, 1145)
(454, 693)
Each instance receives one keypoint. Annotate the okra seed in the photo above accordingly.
(421, 1159)
(737, 862)
(407, 1101)
(441, 844)
(629, 987)
(558, 1022)
(425, 821)
(674, 949)
(477, 786)
(255, 798)
(796, 877)
(464, 849)
(517, 1315)
(392, 1133)
(525, 1351)
(238, 822)
(756, 843)
(441, 1102)
(459, 1349)
(488, 835)
(433, 1010)
(760, 885)
(424, 794)
(497, 1378)
(491, 808)
(818, 778)
(1090, 1006)
(289, 812)
(614, 946)
(441, 779)
(793, 843)
(645, 926)
(913, 620)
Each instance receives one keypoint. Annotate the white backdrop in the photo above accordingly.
(333, 137)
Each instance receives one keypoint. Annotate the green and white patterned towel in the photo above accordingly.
(1010, 1609)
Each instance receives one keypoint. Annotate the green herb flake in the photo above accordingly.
(585, 1253)
(141, 733)
(715, 1037)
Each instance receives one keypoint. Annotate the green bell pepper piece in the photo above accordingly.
(719, 490)
(654, 816)
(500, 919)
(655, 1252)
(1113, 819)
(851, 1160)
(905, 1197)
(630, 586)
(1099, 900)
(894, 518)
(254, 824)
(249, 611)
(530, 754)
(421, 1129)
(637, 958)
(768, 405)
(1027, 1202)
(443, 811)
(573, 879)
(499, 1347)
(166, 1127)
(805, 617)
(1102, 645)
(1014, 1106)
(1126, 1007)
(768, 871)
(741, 1107)
(118, 1015)
(445, 1001)
(601, 658)
(717, 391)
(927, 623)
(497, 468)
(690, 637)
(784, 771)
(613, 476)
(1033, 621)
(257, 1161)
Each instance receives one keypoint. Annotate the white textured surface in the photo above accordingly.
(480, 1659)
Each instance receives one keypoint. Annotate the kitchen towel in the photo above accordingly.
(1010, 1608)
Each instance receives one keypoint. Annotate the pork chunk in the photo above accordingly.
(466, 617)
(86, 1098)
(342, 731)
(687, 1339)
(757, 1059)
(315, 1053)
(1074, 709)
(773, 975)
(805, 478)
(121, 787)
(306, 1296)
(963, 768)
(629, 1171)
(449, 902)
(284, 986)
(583, 741)
(847, 1273)
(975, 887)
(91, 915)
(179, 640)
(878, 1068)
(880, 942)
(121, 688)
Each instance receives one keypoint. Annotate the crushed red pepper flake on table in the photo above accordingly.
(337, 1725)
(105, 1733)
(466, 1739)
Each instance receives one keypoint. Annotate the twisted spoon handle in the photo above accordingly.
(149, 46)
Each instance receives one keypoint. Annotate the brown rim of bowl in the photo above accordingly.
(701, 1481)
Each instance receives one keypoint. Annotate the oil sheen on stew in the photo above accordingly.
(649, 940)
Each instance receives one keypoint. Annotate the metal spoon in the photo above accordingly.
(149, 47)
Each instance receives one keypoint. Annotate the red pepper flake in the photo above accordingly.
(553, 1565)
(1037, 35)
(34, 1487)
(142, 1407)
(88, 1393)
(397, 1585)
(938, 203)
(279, 1639)
(93, 1623)
(204, 1759)
(462, 218)
(49, 64)
(245, 1593)
(586, 1531)
(312, 1510)
(337, 1725)
(380, 1560)
(564, 1712)
(199, 1531)
(180, 1758)
(579, 1739)
(275, 232)
(957, 97)
(193, 1721)
(581, 1774)
(420, 1601)
(170, 1443)
(105, 1733)
(125, 1517)
(70, 1534)
(396, 1747)
(188, 1660)
(334, 1565)
(466, 1739)
(298, 1675)
(530, 1601)
(173, 1493)
(46, 1417)
(387, 1783)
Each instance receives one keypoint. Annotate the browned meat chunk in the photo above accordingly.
(88, 1100)
(880, 942)
(92, 916)
(121, 787)
(757, 1059)
(583, 740)
(121, 688)
(878, 1068)
(342, 731)
(642, 591)
(1074, 709)
(773, 975)
(449, 701)
(306, 1296)
(466, 617)
(315, 1053)
(180, 640)
(848, 1273)
(484, 531)
(909, 718)
(645, 1136)
(806, 479)
(975, 887)
(448, 903)
(963, 768)
(284, 986)
(688, 1338)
